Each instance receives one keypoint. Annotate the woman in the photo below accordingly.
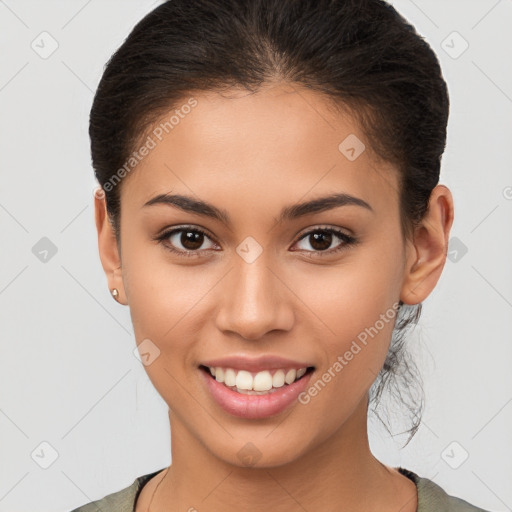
(271, 213)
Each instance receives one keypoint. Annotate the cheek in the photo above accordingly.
(353, 358)
(350, 298)
(156, 292)
(167, 301)
(165, 309)
(355, 307)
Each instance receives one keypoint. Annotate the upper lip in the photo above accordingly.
(256, 364)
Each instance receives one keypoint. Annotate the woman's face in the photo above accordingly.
(254, 285)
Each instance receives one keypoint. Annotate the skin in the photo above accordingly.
(252, 155)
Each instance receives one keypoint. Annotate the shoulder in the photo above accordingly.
(432, 498)
(119, 501)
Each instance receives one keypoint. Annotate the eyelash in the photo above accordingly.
(347, 240)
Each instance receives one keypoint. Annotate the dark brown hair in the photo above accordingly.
(361, 54)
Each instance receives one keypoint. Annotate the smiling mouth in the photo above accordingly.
(256, 383)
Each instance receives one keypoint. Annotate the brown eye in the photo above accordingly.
(186, 241)
(191, 240)
(320, 241)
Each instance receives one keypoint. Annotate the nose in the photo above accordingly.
(254, 300)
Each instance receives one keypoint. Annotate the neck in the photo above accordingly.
(338, 470)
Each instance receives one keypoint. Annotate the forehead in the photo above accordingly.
(277, 145)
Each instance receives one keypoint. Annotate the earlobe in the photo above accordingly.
(427, 254)
(108, 248)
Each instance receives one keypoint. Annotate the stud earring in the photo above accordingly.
(115, 294)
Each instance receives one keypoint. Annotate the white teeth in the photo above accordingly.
(278, 379)
(244, 380)
(261, 382)
(290, 376)
(301, 372)
(230, 377)
(251, 392)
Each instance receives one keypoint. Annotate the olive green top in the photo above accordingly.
(431, 497)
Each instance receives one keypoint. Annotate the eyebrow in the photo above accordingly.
(199, 207)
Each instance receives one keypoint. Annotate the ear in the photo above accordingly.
(107, 245)
(427, 253)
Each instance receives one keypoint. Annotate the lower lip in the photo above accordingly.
(255, 406)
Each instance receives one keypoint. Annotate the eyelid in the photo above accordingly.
(346, 239)
(166, 233)
(324, 227)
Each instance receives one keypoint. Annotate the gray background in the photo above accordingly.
(68, 375)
